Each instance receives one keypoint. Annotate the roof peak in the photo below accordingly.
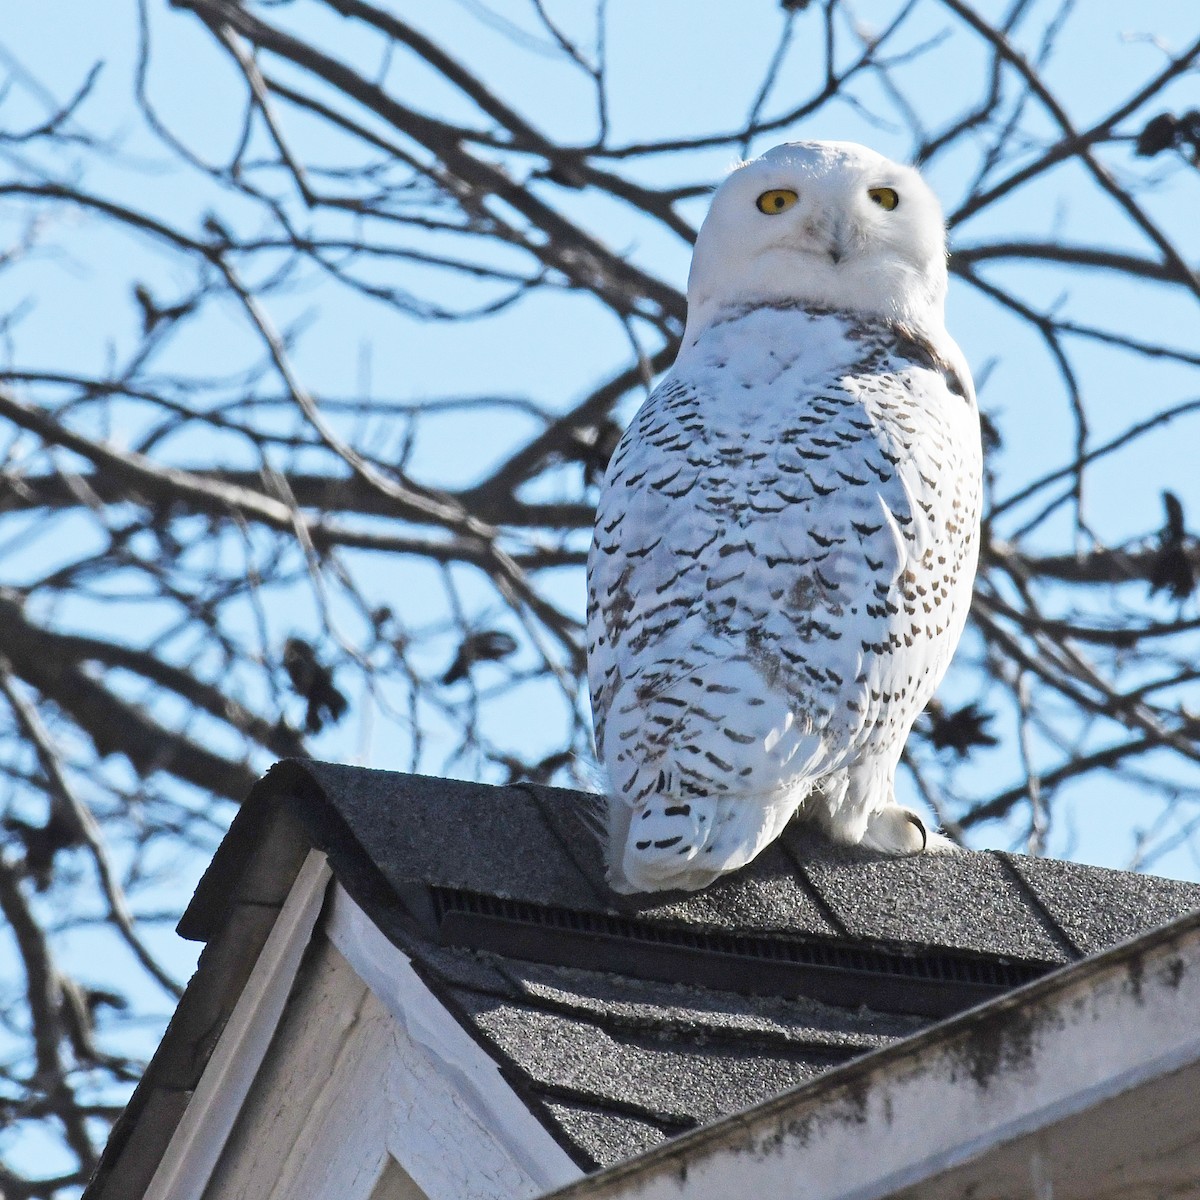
(396, 836)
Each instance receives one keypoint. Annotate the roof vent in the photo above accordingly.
(933, 983)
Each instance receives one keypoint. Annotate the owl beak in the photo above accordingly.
(837, 245)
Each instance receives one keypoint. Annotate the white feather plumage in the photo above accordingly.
(786, 537)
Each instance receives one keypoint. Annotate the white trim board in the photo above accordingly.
(458, 1129)
(198, 1140)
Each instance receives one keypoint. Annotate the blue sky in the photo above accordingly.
(677, 68)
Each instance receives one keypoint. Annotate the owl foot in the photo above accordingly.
(896, 830)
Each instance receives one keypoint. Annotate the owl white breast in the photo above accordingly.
(786, 537)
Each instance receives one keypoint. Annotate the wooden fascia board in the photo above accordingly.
(193, 1151)
(913, 1111)
(473, 1130)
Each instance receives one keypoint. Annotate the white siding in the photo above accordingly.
(369, 1090)
(314, 1126)
(456, 1126)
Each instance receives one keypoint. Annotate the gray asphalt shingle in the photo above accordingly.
(1097, 908)
(658, 1079)
(768, 899)
(603, 1135)
(692, 1013)
(450, 834)
(961, 901)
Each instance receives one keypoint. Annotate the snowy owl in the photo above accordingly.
(787, 533)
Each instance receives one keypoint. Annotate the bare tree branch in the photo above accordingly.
(222, 543)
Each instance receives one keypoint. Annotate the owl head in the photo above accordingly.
(831, 224)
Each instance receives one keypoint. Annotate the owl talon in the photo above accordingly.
(921, 826)
(896, 830)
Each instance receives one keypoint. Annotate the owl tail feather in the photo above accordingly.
(667, 842)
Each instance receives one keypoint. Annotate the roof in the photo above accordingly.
(615, 1061)
(622, 1021)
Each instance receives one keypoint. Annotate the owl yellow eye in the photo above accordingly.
(777, 200)
(884, 197)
